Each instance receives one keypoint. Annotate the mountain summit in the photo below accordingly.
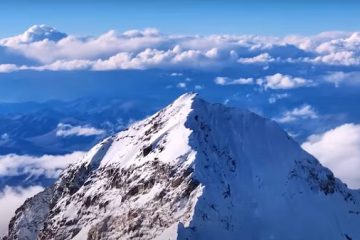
(194, 170)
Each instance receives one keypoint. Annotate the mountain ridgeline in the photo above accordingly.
(194, 170)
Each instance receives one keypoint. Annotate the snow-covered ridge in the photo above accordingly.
(194, 170)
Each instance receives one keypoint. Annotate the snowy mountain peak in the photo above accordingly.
(187, 97)
(194, 170)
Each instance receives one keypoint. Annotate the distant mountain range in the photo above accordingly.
(33, 128)
(57, 128)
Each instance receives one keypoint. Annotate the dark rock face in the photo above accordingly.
(320, 179)
(147, 150)
(134, 223)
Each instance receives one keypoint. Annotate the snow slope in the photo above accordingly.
(194, 170)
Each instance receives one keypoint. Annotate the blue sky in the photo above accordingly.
(183, 17)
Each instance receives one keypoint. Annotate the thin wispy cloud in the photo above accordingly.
(275, 97)
(229, 81)
(339, 77)
(66, 130)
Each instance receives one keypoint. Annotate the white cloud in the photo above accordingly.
(64, 65)
(336, 77)
(136, 33)
(148, 48)
(10, 200)
(280, 81)
(228, 81)
(175, 74)
(4, 68)
(198, 87)
(349, 78)
(242, 81)
(261, 58)
(276, 81)
(34, 34)
(181, 85)
(339, 150)
(65, 130)
(155, 58)
(48, 165)
(346, 58)
(303, 112)
(275, 97)
(79, 48)
(221, 80)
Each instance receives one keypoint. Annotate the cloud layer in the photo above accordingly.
(13, 198)
(45, 48)
(48, 165)
(339, 150)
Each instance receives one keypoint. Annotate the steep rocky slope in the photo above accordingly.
(194, 170)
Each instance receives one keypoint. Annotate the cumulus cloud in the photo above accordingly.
(12, 198)
(45, 48)
(66, 130)
(35, 33)
(339, 150)
(155, 58)
(48, 165)
(304, 112)
(280, 81)
(346, 58)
